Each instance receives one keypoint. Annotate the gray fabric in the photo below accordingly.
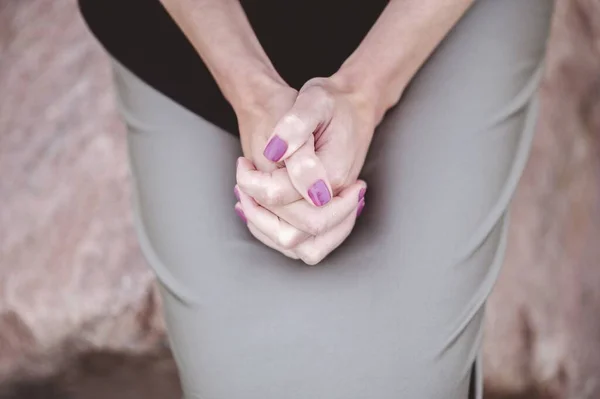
(396, 311)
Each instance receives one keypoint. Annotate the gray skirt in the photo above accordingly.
(397, 310)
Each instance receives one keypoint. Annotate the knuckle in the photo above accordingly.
(337, 178)
(319, 95)
(325, 99)
(246, 181)
(272, 196)
(310, 256)
(287, 237)
(312, 260)
(293, 121)
(301, 165)
(314, 227)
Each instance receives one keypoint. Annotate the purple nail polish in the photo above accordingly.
(275, 149)
(360, 208)
(319, 193)
(361, 195)
(240, 213)
(236, 193)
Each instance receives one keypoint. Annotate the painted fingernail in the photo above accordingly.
(361, 194)
(360, 208)
(236, 193)
(275, 149)
(319, 193)
(240, 213)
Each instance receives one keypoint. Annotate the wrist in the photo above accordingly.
(375, 91)
(365, 95)
(253, 89)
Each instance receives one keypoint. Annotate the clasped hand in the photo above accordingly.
(297, 184)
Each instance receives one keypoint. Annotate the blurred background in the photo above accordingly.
(79, 313)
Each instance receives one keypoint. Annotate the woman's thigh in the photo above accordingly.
(396, 311)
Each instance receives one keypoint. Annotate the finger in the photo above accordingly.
(314, 250)
(316, 221)
(279, 231)
(308, 175)
(265, 240)
(310, 111)
(267, 188)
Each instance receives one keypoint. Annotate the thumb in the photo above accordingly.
(308, 113)
(308, 175)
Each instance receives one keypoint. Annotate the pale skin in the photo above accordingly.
(297, 184)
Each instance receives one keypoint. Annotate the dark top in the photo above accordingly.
(303, 39)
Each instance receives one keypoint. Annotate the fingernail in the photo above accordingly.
(319, 193)
(236, 193)
(360, 208)
(361, 194)
(275, 149)
(240, 213)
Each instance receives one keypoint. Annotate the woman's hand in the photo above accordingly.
(299, 229)
(296, 228)
(336, 122)
(339, 126)
(257, 118)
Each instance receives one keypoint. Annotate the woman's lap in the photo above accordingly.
(396, 311)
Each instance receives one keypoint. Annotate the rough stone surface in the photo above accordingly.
(71, 274)
(79, 315)
(543, 324)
